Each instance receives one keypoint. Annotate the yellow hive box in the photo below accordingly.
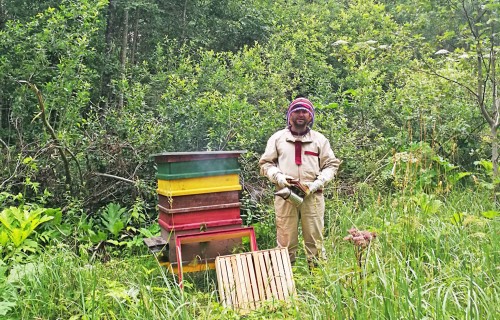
(210, 184)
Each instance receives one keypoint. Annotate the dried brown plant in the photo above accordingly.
(361, 239)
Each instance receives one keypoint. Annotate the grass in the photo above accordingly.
(423, 265)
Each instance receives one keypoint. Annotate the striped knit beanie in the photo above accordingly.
(300, 104)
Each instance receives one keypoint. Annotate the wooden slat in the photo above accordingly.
(288, 271)
(276, 273)
(253, 282)
(231, 283)
(244, 302)
(237, 282)
(229, 289)
(258, 276)
(281, 273)
(270, 275)
(220, 269)
(265, 277)
(285, 266)
(248, 284)
(155, 244)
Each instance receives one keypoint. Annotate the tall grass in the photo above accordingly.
(423, 264)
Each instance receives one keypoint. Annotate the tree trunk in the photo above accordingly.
(4, 113)
(55, 137)
(494, 150)
(3, 18)
(109, 24)
(135, 38)
(495, 110)
(494, 160)
(184, 23)
(106, 68)
(495, 106)
(4, 105)
(123, 57)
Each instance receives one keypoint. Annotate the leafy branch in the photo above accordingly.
(60, 147)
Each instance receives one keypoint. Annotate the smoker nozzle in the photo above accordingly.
(289, 196)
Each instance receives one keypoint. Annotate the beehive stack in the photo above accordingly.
(197, 192)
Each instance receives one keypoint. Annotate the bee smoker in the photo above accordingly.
(290, 196)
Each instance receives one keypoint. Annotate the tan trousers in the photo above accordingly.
(311, 213)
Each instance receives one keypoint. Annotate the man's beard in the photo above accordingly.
(300, 126)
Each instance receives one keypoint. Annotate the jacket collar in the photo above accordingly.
(292, 136)
(299, 133)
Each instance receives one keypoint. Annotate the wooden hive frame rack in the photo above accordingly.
(247, 280)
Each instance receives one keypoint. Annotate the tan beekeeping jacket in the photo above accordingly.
(318, 159)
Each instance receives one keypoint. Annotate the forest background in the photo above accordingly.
(405, 91)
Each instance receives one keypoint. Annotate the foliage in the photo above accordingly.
(208, 85)
(420, 265)
(51, 51)
(485, 177)
(122, 80)
(8, 294)
(113, 218)
(113, 229)
(19, 230)
(420, 169)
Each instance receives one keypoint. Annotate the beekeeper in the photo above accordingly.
(298, 153)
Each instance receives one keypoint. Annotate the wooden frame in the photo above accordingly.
(246, 280)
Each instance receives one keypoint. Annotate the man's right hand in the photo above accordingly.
(314, 186)
(282, 180)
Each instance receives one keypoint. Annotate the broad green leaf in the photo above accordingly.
(30, 246)
(54, 212)
(37, 222)
(98, 237)
(463, 174)
(6, 218)
(117, 243)
(27, 160)
(4, 238)
(113, 218)
(490, 214)
(457, 218)
(17, 237)
(488, 165)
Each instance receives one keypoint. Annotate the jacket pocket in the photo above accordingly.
(311, 153)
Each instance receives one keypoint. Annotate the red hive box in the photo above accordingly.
(200, 218)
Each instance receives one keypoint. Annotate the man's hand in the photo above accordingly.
(314, 186)
(282, 180)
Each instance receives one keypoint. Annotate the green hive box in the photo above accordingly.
(197, 168)
(181, 165)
